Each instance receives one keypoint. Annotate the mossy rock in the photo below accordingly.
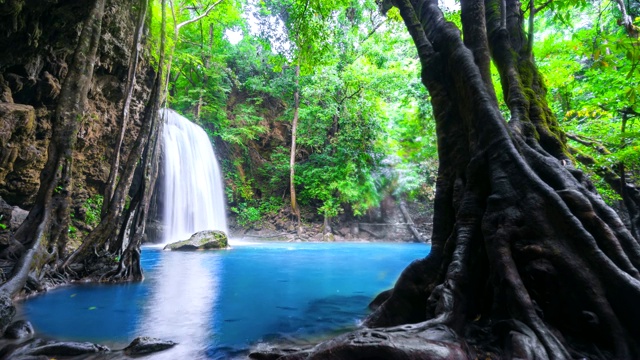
(203, 240)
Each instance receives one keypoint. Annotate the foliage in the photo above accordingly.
(242, 94)
(365, 129)
(594, 87)
(92, 207)
(252, 212)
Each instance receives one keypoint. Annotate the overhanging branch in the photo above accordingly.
(197, 18)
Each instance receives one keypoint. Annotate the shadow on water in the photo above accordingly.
(317, 320)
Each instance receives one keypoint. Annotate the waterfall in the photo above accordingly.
(193, 192)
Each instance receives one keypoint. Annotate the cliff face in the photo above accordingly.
(38, 39)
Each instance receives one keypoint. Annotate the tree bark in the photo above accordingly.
(131, 80)
(110, 239)
(133, 228)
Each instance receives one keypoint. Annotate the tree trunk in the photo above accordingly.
(128, 245)
(292, 161)
(131, 80)
(110, 239)
(48, 221)
(409, 221)
(526, 260)
(133, 228)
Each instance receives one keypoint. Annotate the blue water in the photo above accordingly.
(217, 304)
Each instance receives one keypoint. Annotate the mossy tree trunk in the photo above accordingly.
(527, 261)
(119, 234)
(124, 115)
(44, 232)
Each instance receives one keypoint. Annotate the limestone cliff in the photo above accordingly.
(38, 39)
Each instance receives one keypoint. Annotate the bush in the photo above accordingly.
(92, 207)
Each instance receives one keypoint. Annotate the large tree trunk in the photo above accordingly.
(44, 232)
(527, 261)
(119, 234)
(131, 80)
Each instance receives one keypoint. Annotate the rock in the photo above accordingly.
(53, 348)
(7, 310)
(19, 330)
(154, 230)
(18, 215)
(145, 345)
(5, 91)
(22, 156)
(203, 240)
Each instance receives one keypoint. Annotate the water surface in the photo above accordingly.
(216, 304)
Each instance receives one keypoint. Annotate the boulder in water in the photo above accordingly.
(19, 330)
(203, 240)
(146, 345)
(55, 348)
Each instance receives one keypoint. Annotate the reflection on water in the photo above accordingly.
(181, 303)
(217, 304)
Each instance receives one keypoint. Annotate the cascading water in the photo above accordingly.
(193, 195)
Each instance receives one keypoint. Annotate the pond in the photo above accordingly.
(217, 304)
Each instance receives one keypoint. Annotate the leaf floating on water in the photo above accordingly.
(92, 308)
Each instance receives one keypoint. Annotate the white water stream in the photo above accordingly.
(193, 190)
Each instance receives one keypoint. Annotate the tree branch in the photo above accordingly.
(589, 142)
(197, 18)
(626, 20)
(542, 7)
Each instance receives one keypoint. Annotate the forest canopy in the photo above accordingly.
(366, 126)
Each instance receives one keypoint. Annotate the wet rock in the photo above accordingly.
(19, 330)
(145, 345)
(203, 240)
(154, 230)
(53, 348)
(7, 310)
